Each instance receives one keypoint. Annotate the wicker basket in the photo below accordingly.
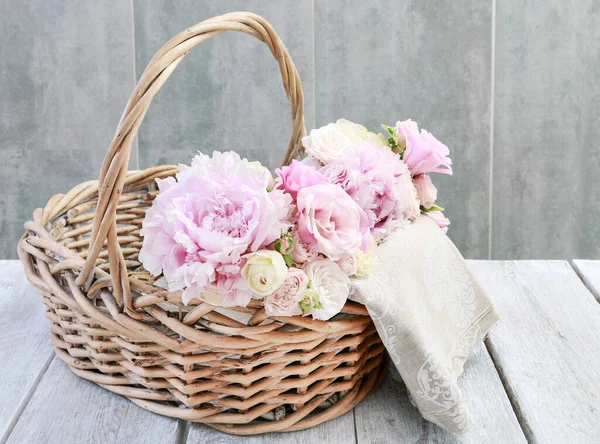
(236, 370)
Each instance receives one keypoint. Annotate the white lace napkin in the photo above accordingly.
(430, 312)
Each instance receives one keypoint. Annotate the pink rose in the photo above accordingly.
(286, 299)
(296, 176)
(302, 252)
(348, 264)
(331, 221)
(423, 153)
(439, 219)
(426, 191)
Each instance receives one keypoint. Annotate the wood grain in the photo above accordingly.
(25, 349)
(388, 412)
(66, 409)
(589, 272)
(339, 430)
(548, 351)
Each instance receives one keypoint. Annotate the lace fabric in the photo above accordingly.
(430, 312)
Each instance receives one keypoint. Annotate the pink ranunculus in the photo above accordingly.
(331, 221)
(424, 153)
(302, 252)
(439, 218)
(296, 176)
(426, 191)
(286, 299)
(378, 181)
(348, 264)
(285, 245)
(201, 225)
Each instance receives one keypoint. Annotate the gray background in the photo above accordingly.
(512, 87)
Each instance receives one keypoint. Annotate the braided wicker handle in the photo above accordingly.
(164, 62)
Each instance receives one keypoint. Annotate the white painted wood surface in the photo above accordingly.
(66, 409)
(589, 272)
(25, 348)
(339, 430)
(546, 356)
(548, 351)
(389, 413)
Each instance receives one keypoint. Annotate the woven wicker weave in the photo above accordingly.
(236, 370)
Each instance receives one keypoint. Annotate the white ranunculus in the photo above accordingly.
(264, 272)
(327, 143)
(331, 285)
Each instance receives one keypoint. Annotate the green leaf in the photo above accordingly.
(434, 207)
(305, 305)
(310, 301)
(390, 129)
(288, 259)
(392, 141)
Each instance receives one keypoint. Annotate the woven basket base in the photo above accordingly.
(298, 420)
(235, 369)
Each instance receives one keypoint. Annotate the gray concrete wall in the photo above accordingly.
(511, 87)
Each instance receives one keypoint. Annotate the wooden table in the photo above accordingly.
(536, 379)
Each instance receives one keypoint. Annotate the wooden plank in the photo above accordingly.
(589, 272)
(66, 409)
(25, 349)
(548, 351)
(339, 430)
(388, 416)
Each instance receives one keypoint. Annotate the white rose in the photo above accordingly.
(329, 285)
(264, 272)
(327, 143)
(357, 133)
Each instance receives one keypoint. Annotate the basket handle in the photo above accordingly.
(162, 65)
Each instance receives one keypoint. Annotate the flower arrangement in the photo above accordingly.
(225, 231)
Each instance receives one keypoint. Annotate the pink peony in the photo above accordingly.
(439, 218)
(424, 153)
(377, 180)
(426, 191)
(201, 225)
(331, 221)
(286, 300)
(296, 176)
(302, 252)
